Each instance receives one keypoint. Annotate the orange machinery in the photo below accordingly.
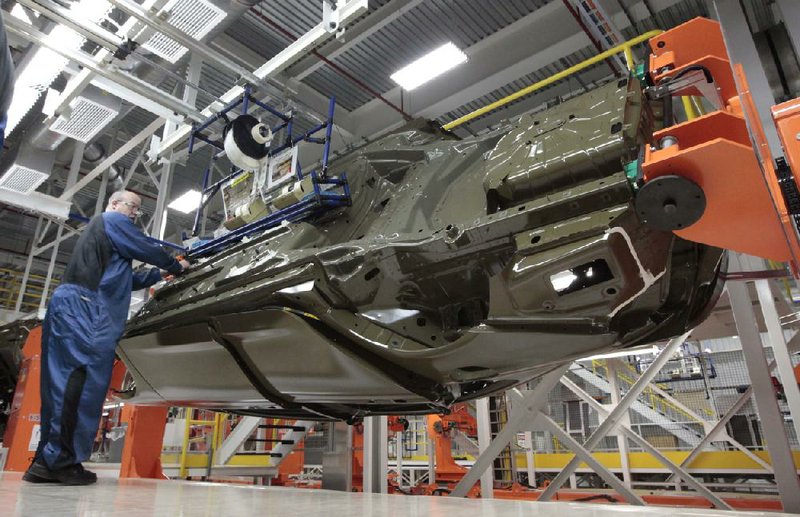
(442, 429)
(22, 432)
(729, 168)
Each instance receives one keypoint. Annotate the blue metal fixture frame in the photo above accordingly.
(312, 205)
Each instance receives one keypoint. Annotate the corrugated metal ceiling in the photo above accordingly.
(410, 36)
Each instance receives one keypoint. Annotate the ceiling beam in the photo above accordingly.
(347, 12)
(111, 160)
(376, 21)
(306, 95)
(535, 41)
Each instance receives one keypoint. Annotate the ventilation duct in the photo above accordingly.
(30, 169)
(196, 18)
(87, 115)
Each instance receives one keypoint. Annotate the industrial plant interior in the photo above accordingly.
(400, 257)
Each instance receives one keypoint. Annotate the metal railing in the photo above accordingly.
(650, 396)
(11, 283)
(212, 445)
(624, 48)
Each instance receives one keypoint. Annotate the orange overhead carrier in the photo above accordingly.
(745, 206)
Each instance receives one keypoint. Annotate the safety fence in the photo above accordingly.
(11, 284)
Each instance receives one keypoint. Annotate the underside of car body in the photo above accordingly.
(463, 267)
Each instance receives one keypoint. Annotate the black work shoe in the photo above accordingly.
(74, 475)
(39, 473)
(87, 472)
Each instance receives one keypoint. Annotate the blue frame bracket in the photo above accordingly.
(328, 192)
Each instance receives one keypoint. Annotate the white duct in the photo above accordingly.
(30, 169)
(88, 114)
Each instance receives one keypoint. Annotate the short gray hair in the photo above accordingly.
(120, 196)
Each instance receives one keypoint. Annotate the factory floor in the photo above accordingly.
(143, 497)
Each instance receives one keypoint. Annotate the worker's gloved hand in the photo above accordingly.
(166, 275)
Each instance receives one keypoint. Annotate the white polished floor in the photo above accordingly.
(133, 498)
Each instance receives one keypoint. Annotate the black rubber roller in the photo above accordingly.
(670, 203)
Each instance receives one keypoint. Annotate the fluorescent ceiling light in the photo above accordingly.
(187, 202)
(429, 66)
(652, 350)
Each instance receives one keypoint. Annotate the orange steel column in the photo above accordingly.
(22, 433)
(144, 439)
(358, 458)
(117, 377)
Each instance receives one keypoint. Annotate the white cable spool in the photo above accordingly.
(247, 142)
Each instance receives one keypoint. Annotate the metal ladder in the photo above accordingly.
(194, 423)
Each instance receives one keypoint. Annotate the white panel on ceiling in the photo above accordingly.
(86, 119)
(194, 17)
(21, 179)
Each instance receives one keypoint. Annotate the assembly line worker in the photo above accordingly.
(6, 80)
(85, 319)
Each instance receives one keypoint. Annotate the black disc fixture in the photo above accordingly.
(670, 203)
(247, 142)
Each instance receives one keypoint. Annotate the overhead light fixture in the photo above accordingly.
(651, 350)
(431, 65)
(562, 280)
(187, 202)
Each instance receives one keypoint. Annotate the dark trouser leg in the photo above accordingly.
(45, 414)
(90, 406)
(75, 370)
(77, 407)
(63, 454)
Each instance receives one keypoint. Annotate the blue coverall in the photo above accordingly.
(85, 319)
(6, 80)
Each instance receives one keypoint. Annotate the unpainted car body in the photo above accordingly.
(463, 267)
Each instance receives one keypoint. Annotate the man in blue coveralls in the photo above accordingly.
(6, 80)
(84, 321)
